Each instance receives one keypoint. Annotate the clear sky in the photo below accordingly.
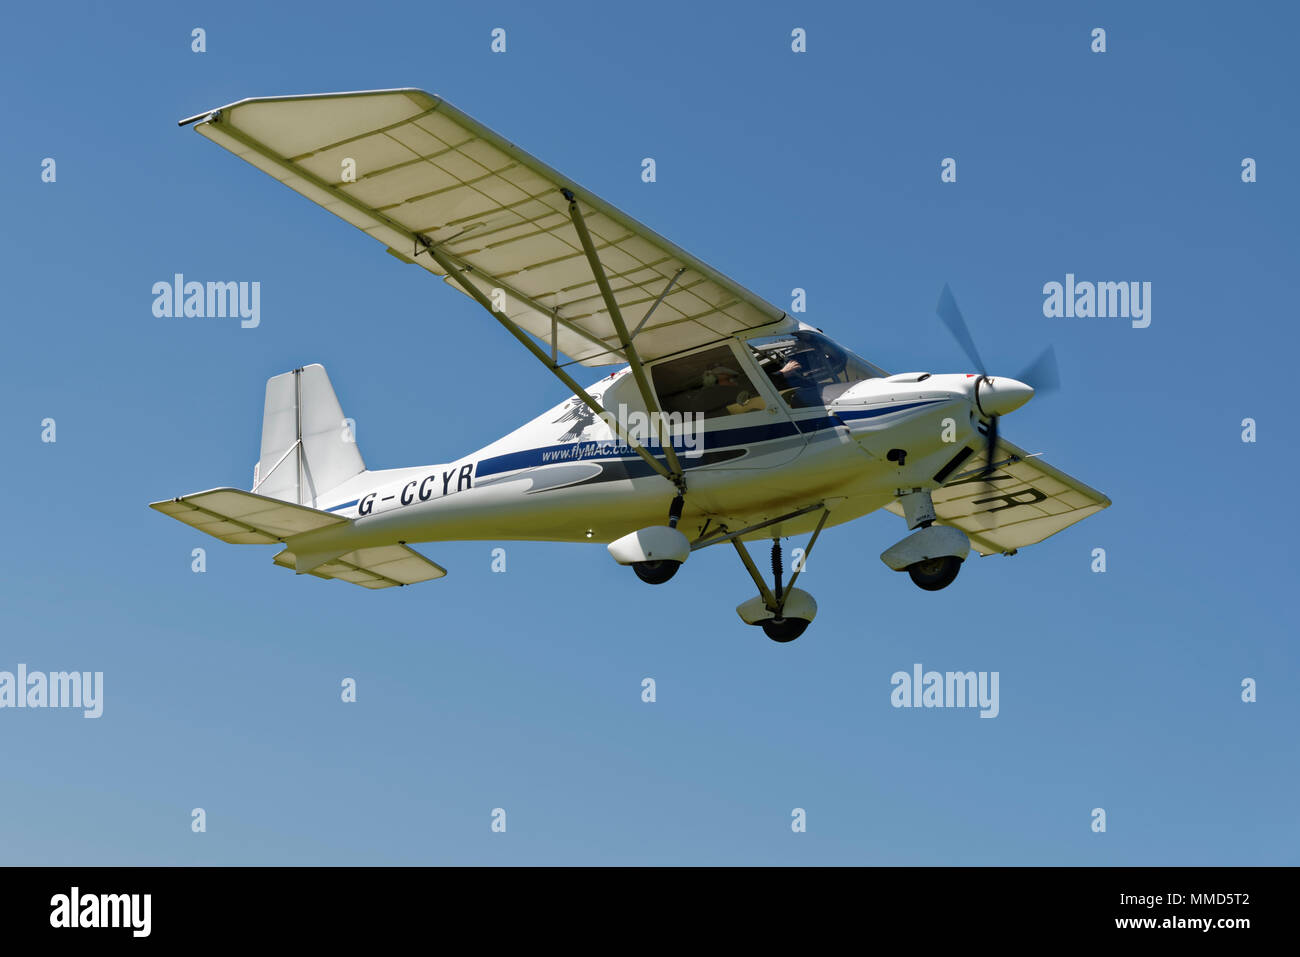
(522, 690)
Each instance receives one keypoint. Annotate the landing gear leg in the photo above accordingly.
(780, 628)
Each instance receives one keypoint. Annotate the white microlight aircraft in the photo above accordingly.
(729, 422)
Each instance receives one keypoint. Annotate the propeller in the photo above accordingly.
(1042, 375)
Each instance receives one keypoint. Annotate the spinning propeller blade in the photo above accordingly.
(952, 318)
(1042, 374)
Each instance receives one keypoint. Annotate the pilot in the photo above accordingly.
(793, 367)
(796, 379)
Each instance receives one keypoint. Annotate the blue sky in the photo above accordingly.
(522, 690)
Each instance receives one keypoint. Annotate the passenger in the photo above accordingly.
(724, 390)
(744, 400)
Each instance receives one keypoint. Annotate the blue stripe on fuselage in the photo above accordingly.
(723, 438)
(872, 413)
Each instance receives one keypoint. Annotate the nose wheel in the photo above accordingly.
(784, 613)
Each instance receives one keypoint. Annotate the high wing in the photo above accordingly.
(416, 173)
(1023, 502)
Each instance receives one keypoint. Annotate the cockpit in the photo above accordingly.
(808, 369)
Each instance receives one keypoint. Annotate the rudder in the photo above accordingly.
(308, 448)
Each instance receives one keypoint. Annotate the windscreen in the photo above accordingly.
(809, 369)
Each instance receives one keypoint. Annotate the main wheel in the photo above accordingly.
(785, 629)
(935, 573)
(656, 573)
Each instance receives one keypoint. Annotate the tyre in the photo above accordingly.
(656, 573)
(785, 629)
(935, 573)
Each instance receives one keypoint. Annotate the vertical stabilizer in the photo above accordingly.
(308, 448)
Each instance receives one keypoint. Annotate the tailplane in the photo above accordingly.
(308, 450)
(243, 518)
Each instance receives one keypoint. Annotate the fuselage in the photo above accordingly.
(566, 476)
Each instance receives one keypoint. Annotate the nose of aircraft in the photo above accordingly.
(998, 395)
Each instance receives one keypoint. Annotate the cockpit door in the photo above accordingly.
(730, 414)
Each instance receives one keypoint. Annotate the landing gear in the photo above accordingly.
(656, 573)
(787, 621)
(655, 553)
(784, 613)
(932, 554)
(935, 573)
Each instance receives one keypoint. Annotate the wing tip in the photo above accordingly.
(215, 114)
(205, 115)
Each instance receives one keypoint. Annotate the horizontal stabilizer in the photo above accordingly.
(243, 518)
(380, 567)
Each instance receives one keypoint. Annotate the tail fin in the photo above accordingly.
(308, 447)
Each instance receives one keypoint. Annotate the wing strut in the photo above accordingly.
(334, 192)
(457, 273)
(625, 341)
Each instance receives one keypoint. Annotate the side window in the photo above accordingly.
(710, 382)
